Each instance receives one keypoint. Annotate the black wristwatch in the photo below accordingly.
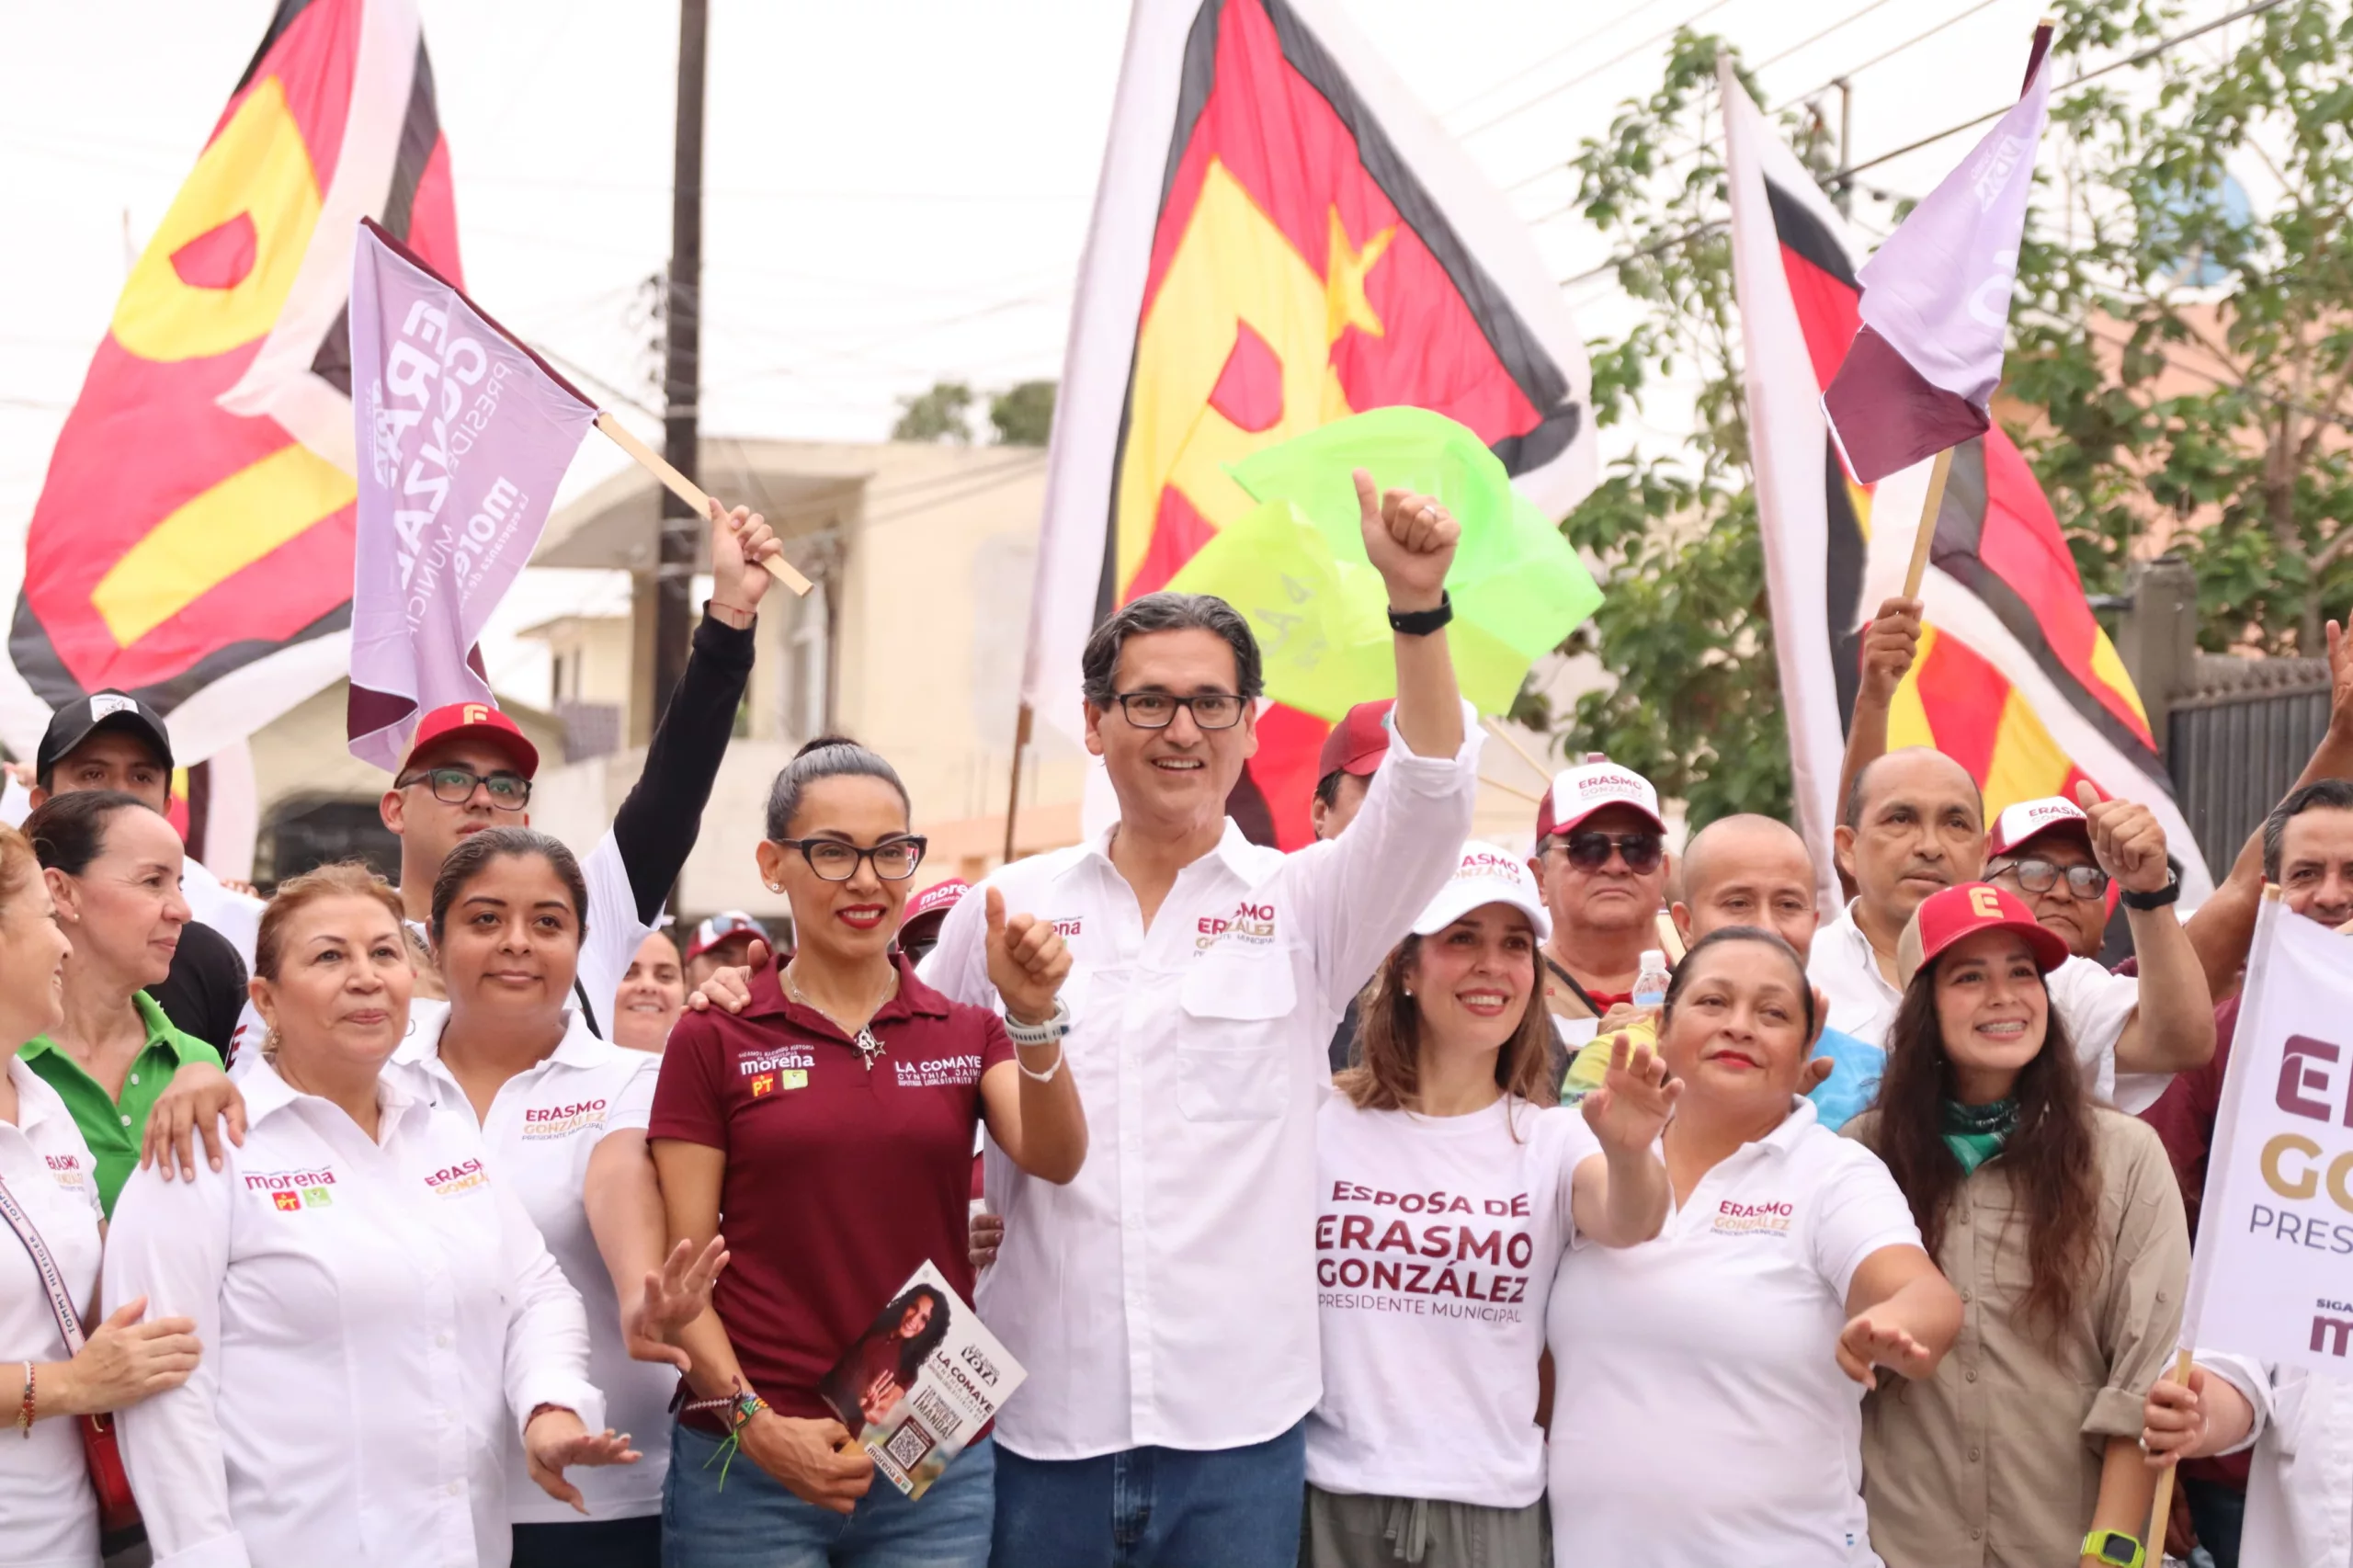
(2157, 900)
(1422, 622)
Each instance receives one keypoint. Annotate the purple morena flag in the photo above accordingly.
(463, 435)
(1920, 374)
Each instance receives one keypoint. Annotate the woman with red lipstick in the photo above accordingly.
(832, 1121)
(1708, 1385)
(2061, 1222)
(1446, 1193)
(113, 866)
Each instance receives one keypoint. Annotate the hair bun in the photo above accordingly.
(822, 742)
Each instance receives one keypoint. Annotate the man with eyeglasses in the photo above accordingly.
(2041, 850)
(1601, 862)
(1165, 1300)
(469, 768)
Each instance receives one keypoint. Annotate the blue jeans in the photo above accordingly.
(1154, 1507)
(756, 1523)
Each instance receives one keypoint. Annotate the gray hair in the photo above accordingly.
(1169, 612)
(2321, 794)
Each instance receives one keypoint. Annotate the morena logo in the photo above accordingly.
(281, 1181)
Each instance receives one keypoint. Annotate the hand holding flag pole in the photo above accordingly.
(687, 490)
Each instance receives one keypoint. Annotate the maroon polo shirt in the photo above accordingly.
(840, 1181)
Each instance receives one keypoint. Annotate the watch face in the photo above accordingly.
(2119, 1548)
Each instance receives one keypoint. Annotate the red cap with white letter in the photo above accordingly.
(1579, 792)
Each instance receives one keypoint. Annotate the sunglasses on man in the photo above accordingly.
(1590, 849)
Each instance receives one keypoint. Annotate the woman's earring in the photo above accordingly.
(776, 887)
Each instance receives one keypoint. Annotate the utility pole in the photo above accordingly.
(681, 532)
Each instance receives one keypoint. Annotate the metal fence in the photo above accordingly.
(2238, 737)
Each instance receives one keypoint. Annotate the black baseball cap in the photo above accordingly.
(77, 722)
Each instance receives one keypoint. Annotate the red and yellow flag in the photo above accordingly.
(1282, 238)
(193, 541)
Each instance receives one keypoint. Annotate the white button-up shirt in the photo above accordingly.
(49, 1518)
(2093, 1003)
(378, 1320)
(543, 1124)
(2300, 1488)
(1167, 1295)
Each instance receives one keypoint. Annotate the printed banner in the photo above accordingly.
(2272, 1277)
(2015, 678)
(1282, 237)
(192, 544)
(921, 1383)
(463, 436)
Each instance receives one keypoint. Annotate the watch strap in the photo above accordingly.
(1422, 622)
(2160, 898)
(2116, 1547)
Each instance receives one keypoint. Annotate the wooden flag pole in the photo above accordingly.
(1013, 787)
(2161, 1510)
(1494, 727)
(685, 490)
(1513, 790)
(1927, 537)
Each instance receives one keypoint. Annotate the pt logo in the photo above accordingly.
(288, 1199)
(764, 1083)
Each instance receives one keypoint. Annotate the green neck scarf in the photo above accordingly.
(1975, 1133)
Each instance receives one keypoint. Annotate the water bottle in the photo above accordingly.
(1650, 985)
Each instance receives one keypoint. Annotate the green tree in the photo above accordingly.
(2178, 355)
(943, 414)
(1023, 415)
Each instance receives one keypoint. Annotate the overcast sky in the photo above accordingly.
(897, 191)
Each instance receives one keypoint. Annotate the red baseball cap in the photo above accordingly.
(1579, 792)
(1358, 742)
(726, 926)
(1946, 918)
(476, 721)
(934, 902)
(2032, 819)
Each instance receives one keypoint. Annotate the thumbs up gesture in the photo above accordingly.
(1027, 962)
(1410, 540)
(2126, 840)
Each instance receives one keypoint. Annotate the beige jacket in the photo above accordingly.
(1995, 1462)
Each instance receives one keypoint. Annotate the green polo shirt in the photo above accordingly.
(113, 1128)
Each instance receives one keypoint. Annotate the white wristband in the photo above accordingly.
(1048, 1076)
(1047, 1033)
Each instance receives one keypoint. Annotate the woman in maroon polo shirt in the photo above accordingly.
(831, 1122)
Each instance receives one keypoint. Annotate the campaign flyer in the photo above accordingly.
(921, 1382)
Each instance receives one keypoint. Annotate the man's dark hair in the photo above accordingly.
(2321, 794)
(1327, 789)
(1169, 612)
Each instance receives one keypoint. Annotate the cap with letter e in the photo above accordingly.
(1946, 918)
(1579, 792)
(474, 721)
(77, 722)
(1485, 875)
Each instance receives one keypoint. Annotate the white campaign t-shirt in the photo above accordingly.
(1437, 1239)
(47, 1516)
(1699, 1413)
(543, 1125)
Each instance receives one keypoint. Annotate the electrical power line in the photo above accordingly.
(1587, 76)
(1838, 177)
(1488, 92)
(1886, 54)
(1809, 43)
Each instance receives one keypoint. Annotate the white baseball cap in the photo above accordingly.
(2031, 819)
(1579, 792)
(1485, 875)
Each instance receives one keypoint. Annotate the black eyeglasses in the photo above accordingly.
(1588, 849)
(1157, 709)
(456, 786)
(894, 860)
(2042, 876)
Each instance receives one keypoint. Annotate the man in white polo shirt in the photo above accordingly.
(1913, 823)
(1163, 1303)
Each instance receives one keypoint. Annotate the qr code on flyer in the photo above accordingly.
(909, 1443)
